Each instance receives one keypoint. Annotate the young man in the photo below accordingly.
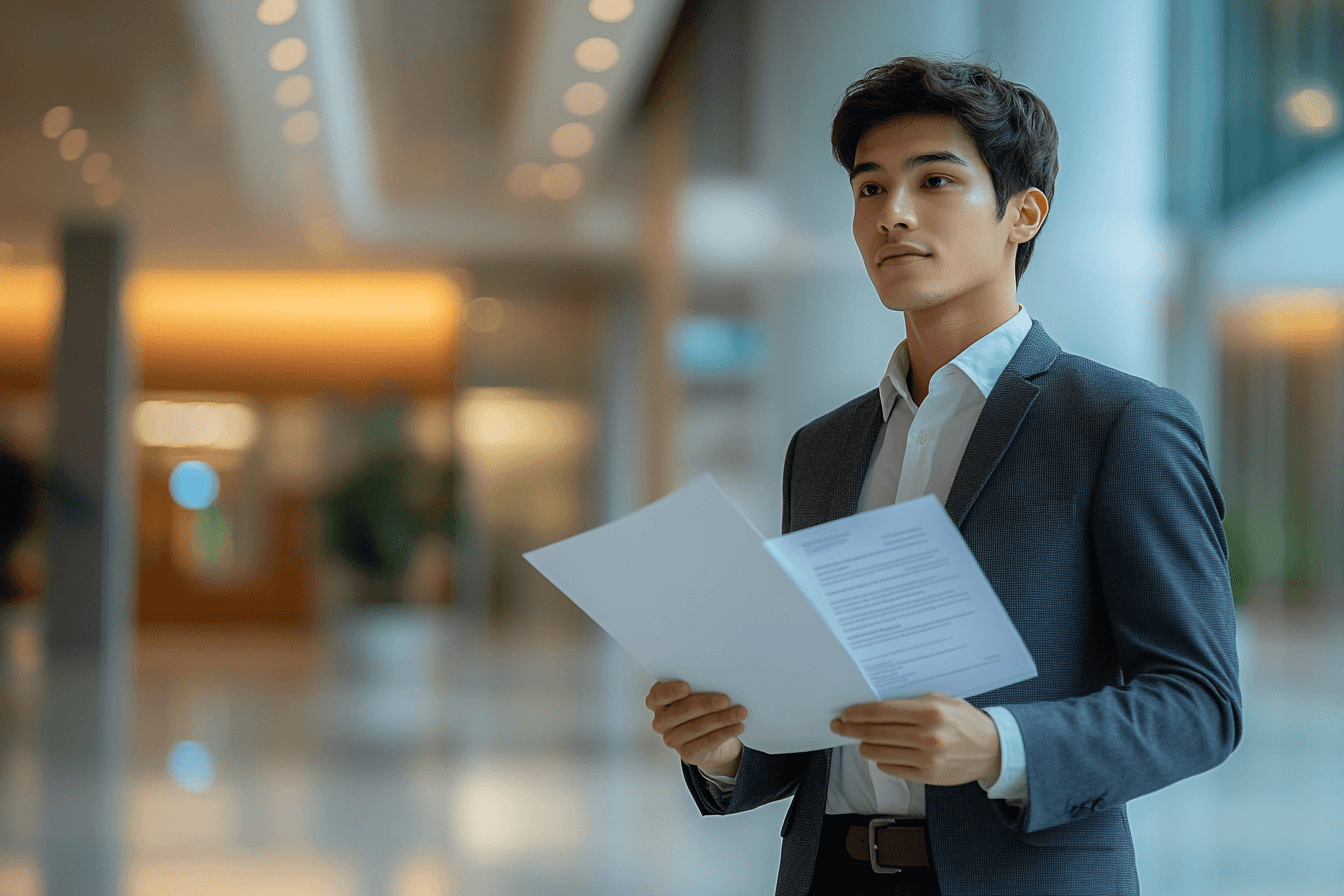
(1084, 493)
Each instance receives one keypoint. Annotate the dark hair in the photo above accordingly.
(1011, 127)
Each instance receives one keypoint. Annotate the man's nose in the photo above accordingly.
(896, 212)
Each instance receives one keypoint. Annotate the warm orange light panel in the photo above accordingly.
(1312, 320)
(269, 332)
(29, 299)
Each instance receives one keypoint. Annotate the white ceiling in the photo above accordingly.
(425, 106)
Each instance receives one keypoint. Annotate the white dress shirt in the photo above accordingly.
(917, 453)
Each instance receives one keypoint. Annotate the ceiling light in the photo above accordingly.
(569, 141)
(276, 12)
(1312, 110)
(597, 54)
(96, 167)
(108, 191)
(288, 54)
(585, 98)
(525, 180)
(73, 143)
(56, 121)
(611, 10)
(561, 181)
(302, 127)
(294, 91)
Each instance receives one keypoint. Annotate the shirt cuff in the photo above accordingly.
(724, 784)
(1011, 784)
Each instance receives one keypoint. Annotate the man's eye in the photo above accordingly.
(938, 177)
(869, 190)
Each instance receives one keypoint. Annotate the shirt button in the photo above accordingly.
(923, 437)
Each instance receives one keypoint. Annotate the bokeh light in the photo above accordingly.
(585, 98)
(294, 91)
(569, 141)
(276, 12)
(288, 54)
(611, 10)
(96, 167)
(194, 484)
(191, 767)
(302, 127)
(73, 143)
(56, 121)
(1312, 110)
(203, 424)
(525, 180)
(561, 181)
(597, 54)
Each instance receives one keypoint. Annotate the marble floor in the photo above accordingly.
(419, 756)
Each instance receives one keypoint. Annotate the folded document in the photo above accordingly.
(884, 604)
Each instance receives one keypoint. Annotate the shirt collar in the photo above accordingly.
(983, 361)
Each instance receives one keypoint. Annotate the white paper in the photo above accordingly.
(687, 586)
(901, 590)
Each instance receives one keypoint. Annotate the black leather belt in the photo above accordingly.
(886, 843)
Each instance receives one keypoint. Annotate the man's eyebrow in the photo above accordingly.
(913, 162)
(940, 156)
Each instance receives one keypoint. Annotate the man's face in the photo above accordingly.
(925, 215)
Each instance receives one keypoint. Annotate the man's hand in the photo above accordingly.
(934, 739)
(702, 728)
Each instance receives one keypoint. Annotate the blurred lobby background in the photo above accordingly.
(315, 315)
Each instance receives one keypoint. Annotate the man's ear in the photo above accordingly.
(1031, 208)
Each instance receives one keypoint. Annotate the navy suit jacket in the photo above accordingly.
(1086, 496)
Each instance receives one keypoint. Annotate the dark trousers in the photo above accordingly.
(837, 874)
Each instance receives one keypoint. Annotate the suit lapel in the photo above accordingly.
(851, 461)
(1002, 416)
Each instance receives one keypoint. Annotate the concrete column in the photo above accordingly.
(89, 609)
(1100, 270)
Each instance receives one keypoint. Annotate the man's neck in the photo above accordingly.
(935, 336)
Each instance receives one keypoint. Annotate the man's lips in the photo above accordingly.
(901, 258)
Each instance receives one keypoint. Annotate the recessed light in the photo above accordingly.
(276, 12)
(525, 180)
(288, 54)
(73, 143)
(294, 91)
(561, 181)
(585, 98)
(569, 141)
(597, 54)
(611, 10)
(56, 121)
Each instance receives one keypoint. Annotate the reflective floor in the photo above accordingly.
(410, 756)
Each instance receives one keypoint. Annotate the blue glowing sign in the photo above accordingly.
(190, 766)
(194, 484)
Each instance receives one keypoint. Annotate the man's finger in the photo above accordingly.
(681, 735)
(890, 734)
(903, 757)
(665, 692)
(710, 742)
(688, 708)
(892, 712)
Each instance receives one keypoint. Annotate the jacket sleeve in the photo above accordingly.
(1161, 560)
(762, 778)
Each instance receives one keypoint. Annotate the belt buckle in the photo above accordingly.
(873, 825)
